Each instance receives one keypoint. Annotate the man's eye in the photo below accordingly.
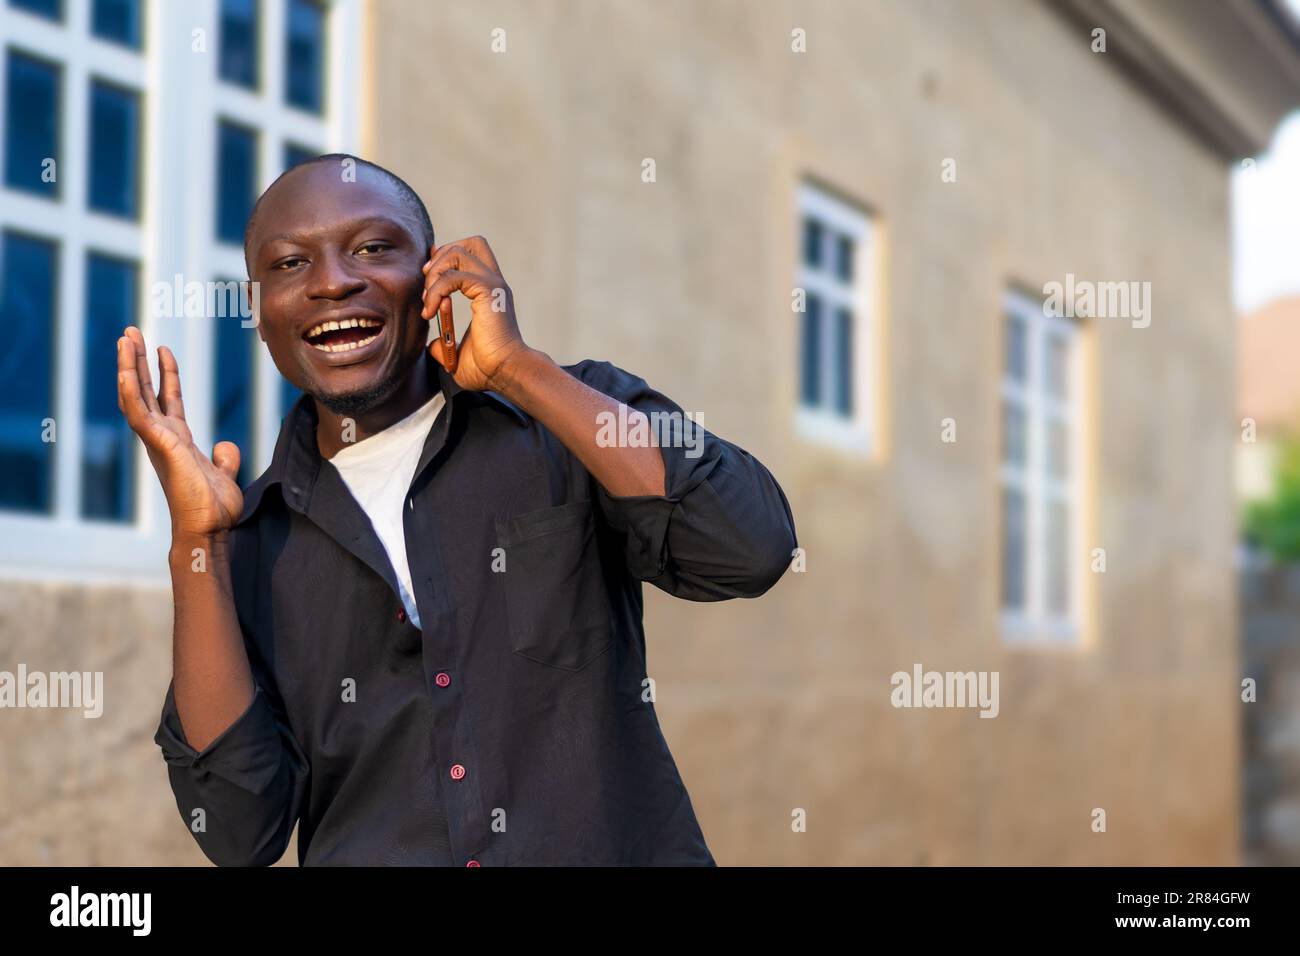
(374, 247)
(286, 263)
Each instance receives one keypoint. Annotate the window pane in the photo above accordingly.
(28, 280)
(1058, 558)
(43, 8)
(304, 65)
(812, 242)
(295, 154)
(235, 375)
(238, 43)
(1013, 434)
(289, 394)
(810, 382)
(1013, 550)
(236, 180)
(114, 160)
(1058, 449)
(31, 124)
(844, 258)
(117, 20)
(1014, 360)
(1056, 366)
(844, 362)
(107, 452)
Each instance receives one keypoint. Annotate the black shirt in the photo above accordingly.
(516, 727)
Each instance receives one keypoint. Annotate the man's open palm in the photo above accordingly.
(202, 493)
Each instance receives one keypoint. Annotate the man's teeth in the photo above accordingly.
(359, 323)
(346, 346)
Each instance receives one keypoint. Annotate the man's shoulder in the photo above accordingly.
(605, 376)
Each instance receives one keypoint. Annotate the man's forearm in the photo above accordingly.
(213, 680)
(571, 410)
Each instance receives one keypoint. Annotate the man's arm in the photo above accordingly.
(224, 743)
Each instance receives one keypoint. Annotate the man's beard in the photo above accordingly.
(363, 400)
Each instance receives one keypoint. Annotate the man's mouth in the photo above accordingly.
(343, 335)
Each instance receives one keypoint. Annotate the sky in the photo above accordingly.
(1266, 218)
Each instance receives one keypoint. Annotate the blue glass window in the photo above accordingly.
(304, 61)
(119, 21)
(31, 124)
(844, 362)
(108, 444)
(53, 9)
(236, 372)
(295, 154)
(114, 159)
(811, 352)
(239, 43)
(236, 180)
(28, 297)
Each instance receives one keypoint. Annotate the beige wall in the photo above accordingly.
(783, 702)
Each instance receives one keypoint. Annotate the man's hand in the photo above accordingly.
(202, 496)
(492, 340)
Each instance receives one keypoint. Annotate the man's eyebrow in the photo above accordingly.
(351, 226)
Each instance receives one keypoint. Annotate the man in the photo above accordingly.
(418, 634)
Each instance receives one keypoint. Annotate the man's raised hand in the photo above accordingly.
(203, 496)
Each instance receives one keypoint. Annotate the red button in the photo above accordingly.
(443, 679)
(457, 771)
(401, 615)
(472, 863)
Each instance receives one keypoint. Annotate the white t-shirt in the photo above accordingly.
(378, 471)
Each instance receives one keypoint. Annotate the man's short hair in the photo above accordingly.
(409, 196)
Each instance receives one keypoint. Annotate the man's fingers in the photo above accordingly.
(226, 456)
(129, 399)
(136, 338)
(170, 389)
(478, 247)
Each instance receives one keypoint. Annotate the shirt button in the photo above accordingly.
(472, 863)
(443, 679)
(457, 771)
(401, 615)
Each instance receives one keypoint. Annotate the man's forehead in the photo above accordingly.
(317, 198)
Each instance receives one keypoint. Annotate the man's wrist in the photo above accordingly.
(512, 376)
(188, 546)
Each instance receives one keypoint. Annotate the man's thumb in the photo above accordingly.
(225, 455)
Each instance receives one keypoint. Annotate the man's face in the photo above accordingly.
(339, 270)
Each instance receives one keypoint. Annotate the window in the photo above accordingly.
(114, 160)
(304, 61)
(118, 21)
(295, 154)
(836, 333)
(1040, 455)
(236, 179)
(108, 444)
(31, 124)
(50, 9)
(28, 284)
(237, 349)
(239, 43)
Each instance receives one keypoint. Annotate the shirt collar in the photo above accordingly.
(297, 460)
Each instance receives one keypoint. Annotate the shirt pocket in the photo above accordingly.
(556, 604)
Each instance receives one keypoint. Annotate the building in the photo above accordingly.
(829, 230)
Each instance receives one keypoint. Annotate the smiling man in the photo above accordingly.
(418, 635)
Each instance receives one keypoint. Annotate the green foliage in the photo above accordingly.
(1273, 524)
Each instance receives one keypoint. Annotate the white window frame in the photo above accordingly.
(1034, 624)
(855, 434)
(182, 98)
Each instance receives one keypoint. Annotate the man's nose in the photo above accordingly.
(333, 277)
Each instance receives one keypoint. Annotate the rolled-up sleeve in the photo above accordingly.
(249, 782)
(722, 529)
